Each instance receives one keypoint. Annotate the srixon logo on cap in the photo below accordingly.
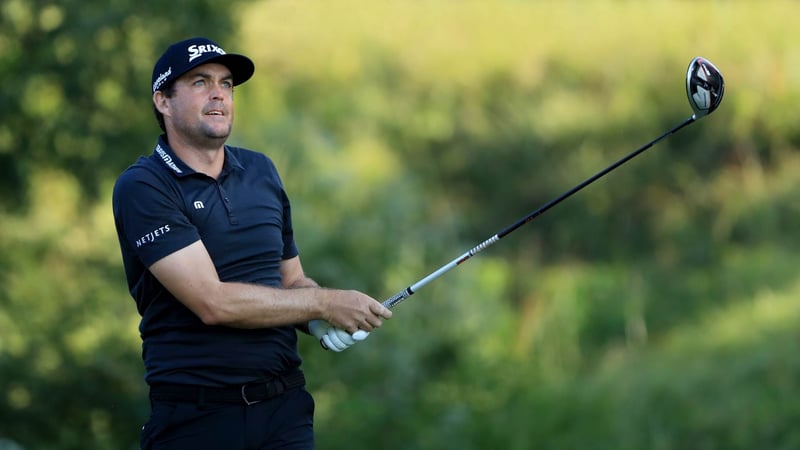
(196, 51)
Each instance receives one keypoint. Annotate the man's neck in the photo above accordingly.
(206, 158)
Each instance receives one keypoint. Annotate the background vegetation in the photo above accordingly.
(658, 309)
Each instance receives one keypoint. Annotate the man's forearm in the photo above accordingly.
(302, 283)
(256, 306)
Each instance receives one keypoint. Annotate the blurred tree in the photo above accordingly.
(76, 110)
(76, 76)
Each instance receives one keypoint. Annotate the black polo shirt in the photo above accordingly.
(243, 218)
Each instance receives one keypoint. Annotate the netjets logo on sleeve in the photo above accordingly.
(196, 51)
(151, 237)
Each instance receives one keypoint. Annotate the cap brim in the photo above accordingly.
(241, 67)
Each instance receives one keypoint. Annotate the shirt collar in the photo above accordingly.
(231, 161)
(164, 153)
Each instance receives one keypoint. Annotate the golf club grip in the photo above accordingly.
(397, 298)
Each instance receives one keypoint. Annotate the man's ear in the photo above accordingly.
(160, 102)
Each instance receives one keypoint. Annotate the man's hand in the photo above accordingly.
(348, 317)
(333, 338)
(351, 311)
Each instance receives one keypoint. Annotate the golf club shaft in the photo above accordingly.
(412, 289)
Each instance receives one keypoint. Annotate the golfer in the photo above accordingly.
(205, 231)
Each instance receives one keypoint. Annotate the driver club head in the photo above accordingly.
(704, 87)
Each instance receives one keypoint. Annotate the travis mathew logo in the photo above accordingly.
(196, 51)
(150, 237)
(167, 159)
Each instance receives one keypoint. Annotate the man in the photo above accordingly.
(209, 253)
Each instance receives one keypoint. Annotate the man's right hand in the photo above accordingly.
(351, 311)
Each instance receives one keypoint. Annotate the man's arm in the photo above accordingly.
(190, 275)
(293, 276)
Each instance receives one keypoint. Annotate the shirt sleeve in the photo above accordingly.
(289, 246)
(150, 217)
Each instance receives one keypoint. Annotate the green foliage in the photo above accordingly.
(76, 111)
(656, 309)
(76, 76)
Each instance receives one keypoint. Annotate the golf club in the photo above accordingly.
(704, 89)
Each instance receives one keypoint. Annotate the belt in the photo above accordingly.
(248, 394)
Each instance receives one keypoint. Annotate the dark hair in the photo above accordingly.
(168, 89)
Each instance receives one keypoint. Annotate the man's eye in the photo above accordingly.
(227, 84)
(200, 82)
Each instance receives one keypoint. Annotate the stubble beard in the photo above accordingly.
(214, 136)
(204, 136)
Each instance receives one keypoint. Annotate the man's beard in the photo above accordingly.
(212, 133)
(204, 136)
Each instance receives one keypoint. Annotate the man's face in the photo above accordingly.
(201, 108)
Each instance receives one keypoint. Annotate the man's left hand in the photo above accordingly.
(333, 338)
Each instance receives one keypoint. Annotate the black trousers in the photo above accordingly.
(283, 422)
